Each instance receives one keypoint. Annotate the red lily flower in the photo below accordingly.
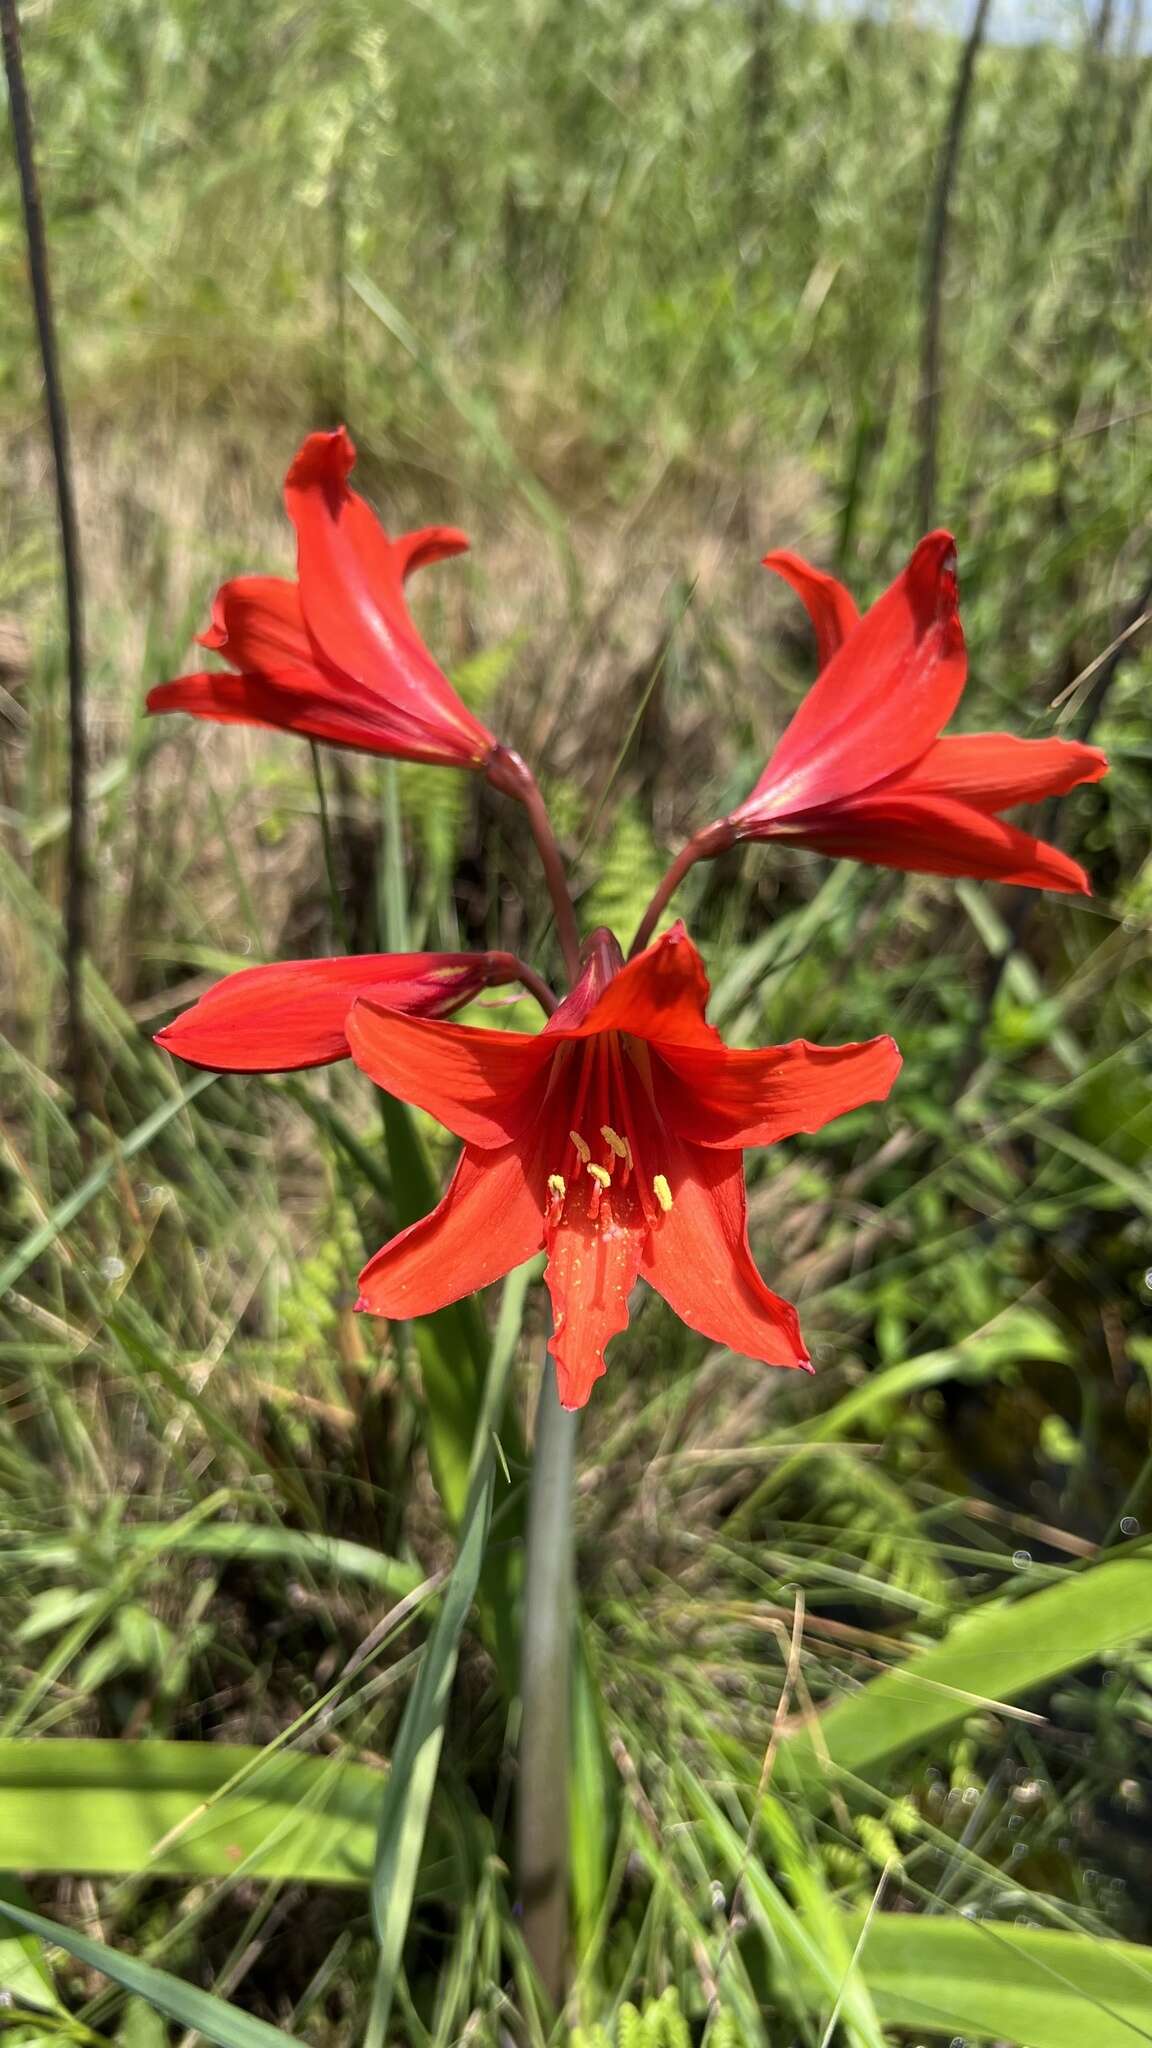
(335, 655)
(614, 1137)
(272, 1020)
(861, 771)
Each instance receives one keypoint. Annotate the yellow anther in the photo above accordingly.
(601, 1176)
(662, 1192)
(558, 1184)
(583, 1152)
(616, 1143)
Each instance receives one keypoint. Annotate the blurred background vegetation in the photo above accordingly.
(633, 293)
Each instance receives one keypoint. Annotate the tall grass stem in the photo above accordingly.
(78, 1051)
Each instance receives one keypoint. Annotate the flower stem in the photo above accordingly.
(545, 1688)
(702, 846)
(336, 908)
(535, 985)
(507, 771)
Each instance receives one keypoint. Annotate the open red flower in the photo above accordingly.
(861, 771)
(335, 655)
(615, 1138)
(271, 1020)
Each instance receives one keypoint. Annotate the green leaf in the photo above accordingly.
(1038, 1987)
(995, 1652)
(298, 1548)
(105, 1807)
(416, 1755)
(201, 2010)
(25, 1977)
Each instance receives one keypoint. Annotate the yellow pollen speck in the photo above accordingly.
(616, 1143)
(602, 1175)
(583, 1151)
(662, 1192)
(558, 1184)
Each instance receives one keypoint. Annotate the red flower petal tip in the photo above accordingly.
(325, 458)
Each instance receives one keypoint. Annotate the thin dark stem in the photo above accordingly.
(712, 840)
(336, 908)
(76, 906)
(545, 1689)
(508, 772)
(536, 986)
(935, 258)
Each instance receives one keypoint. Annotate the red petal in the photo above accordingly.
(699, 1259)
(880, 702)
(733, 1099)
(351, 588)
(490, 1220)
(993, 770)
(270, 1020)
(931, 836)
(591, 1269)
(257, 623)
(660, 996)
(306, 702)
(831, 608)
(487, 1086)
(412, 551)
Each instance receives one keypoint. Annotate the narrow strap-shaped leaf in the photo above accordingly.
(67, 1211)
(981, 1979)
(407, 1797)
(995, 1652)
(200, 2010)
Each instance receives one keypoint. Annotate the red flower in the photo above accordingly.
(861, 772)
(335, 655)
(269, 1020)
(614, 1137)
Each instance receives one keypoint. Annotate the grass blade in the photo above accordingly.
(201, 2010)
(994, 1653)
(978, 1980)
(416, 1757)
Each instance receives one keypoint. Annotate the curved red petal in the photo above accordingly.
(880, 702)
(306, 702)
(412, 551)
(351, 588)
(830, 606)
(486, 1086)
(933, 836)
(660, 996)
(257, 623)
(277, 1018)
(490, 1220)
(992, 771)
(731, 1099)
(699, 1259)
(592, 1265)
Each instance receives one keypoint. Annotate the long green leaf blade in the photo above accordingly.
(189, 2007)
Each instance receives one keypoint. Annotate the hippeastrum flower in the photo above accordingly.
(335, 655)
(270, 1020)
(614, 1137)
(862, 772)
